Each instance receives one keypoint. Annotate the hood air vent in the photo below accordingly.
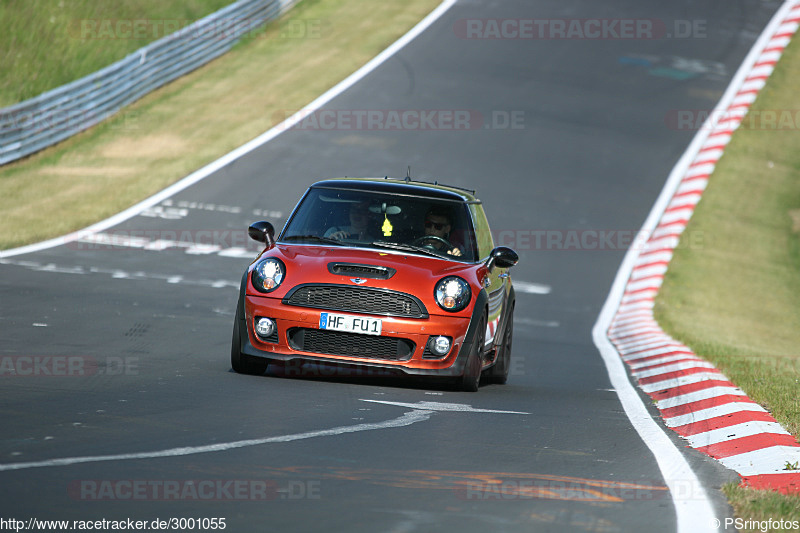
(361, 271)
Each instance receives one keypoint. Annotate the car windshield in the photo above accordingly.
(412, 224)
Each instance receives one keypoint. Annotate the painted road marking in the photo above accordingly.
(111, 241)
(237, 253)
(171, 209)
(169, 213)
(537, 323)
(531, 288)
(451, 407)
(116, 273)
(421, 411)
(483, 485)
(412, 417)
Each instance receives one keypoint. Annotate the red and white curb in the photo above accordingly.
(695, 399)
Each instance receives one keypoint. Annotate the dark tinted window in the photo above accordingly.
(360, 218)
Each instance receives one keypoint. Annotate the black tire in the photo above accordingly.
(471, 378)
(241, 363)
(499, 372)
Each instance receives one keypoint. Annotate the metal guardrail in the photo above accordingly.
(53, 116)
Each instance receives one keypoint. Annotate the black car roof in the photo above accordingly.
(400, 186)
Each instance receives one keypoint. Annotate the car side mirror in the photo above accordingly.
(262, 231)
(502, 257)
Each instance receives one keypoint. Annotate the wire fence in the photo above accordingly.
(53, 116)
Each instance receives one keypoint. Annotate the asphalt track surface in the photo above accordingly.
(590, 149)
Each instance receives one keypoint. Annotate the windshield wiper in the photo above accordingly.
(406, 247)
(317, 238)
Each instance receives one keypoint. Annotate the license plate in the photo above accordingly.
(350, 323)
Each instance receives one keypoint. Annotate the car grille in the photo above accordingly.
(357, 300)
(350, 344)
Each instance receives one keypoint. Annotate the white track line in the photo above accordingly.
(407, 419)
(439, 406)
(264, 138)
(696, 513)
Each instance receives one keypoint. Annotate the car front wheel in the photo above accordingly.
(240, 362)
(471, 378)
(499, 372)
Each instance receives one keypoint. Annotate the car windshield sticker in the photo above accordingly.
(387, 226)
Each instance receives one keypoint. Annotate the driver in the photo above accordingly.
(438, 223)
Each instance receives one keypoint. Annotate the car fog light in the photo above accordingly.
(441, 345)
(265, 327)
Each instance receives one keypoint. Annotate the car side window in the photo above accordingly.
(483, 234)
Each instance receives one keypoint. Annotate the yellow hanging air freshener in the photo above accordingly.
(387, 226)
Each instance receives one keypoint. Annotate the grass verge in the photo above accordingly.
(734, 298)
(759, 506)
(47, 43)
(200, 117)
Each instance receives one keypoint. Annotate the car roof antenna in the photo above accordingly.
(408, 173)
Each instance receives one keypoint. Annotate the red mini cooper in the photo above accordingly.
(380, 274)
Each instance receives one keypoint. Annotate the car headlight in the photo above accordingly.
(268, 274)
(452, 293)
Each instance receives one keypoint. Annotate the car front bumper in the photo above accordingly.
(292, 320)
